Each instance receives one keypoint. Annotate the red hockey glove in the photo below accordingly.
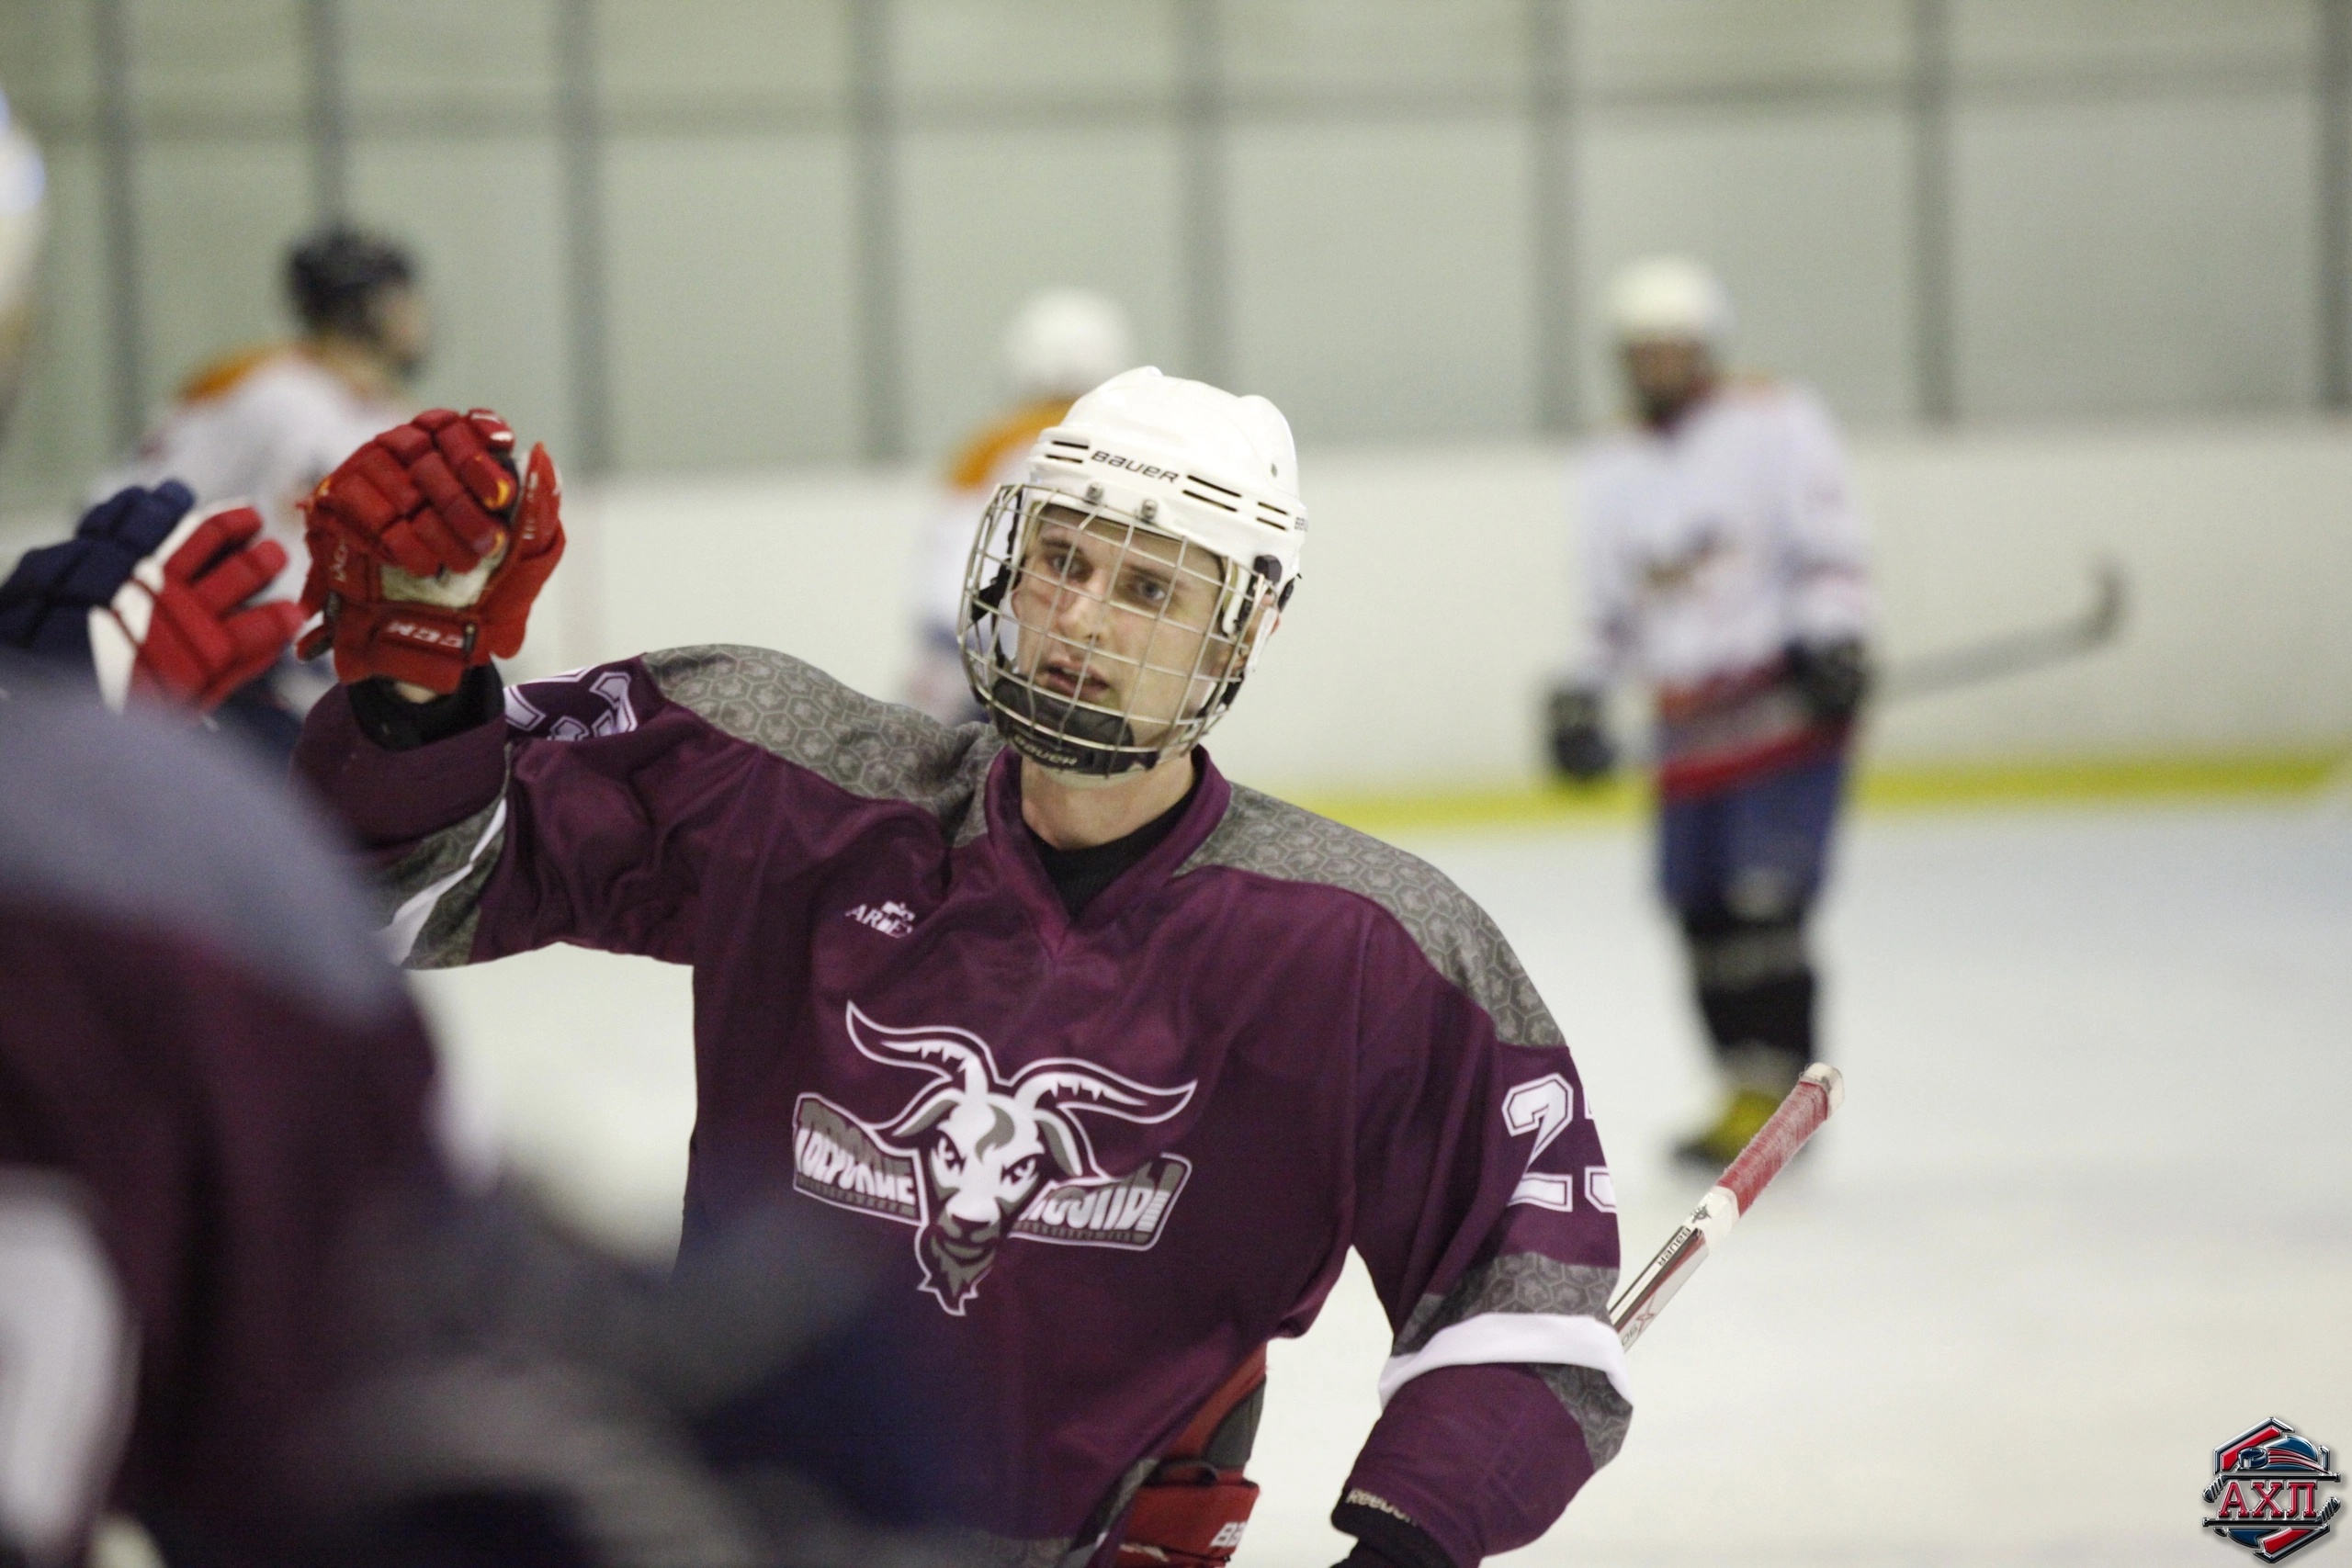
(203, 635)
(425, 556)
(157, 596)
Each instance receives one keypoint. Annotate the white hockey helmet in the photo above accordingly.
(1212, 477)
(24, 192)
(1670, 298)
(1063, 341)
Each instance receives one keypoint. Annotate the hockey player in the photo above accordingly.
(1124, 1057)
(1724, 565)
(1062, 341)
(267, 425)
(240, 1298)
(264, 426)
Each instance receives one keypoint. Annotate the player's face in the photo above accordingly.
(403, 328)
(1119, 617)
(1666, 373)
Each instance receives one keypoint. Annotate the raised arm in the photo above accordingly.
(427, 550)
(580, 808)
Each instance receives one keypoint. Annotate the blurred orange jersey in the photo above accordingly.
(991, 457)
(264, 424)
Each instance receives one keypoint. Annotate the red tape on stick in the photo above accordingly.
(1776, 1143)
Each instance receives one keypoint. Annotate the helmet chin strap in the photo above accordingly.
(1065, 737)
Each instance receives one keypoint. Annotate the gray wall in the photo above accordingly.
(692, 233)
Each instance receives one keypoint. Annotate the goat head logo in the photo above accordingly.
(972, 1156)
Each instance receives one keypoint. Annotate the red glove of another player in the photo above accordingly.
(425, 559)
(181, 628)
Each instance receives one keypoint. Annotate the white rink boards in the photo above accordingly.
(2087, 1213)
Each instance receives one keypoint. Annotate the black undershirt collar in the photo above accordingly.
(1078, 875)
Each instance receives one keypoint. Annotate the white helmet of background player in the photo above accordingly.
(1117, 596)
(1669, 300)
(23, 203)
(1064, 341)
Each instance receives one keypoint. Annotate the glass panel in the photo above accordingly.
(2136, 257)
(2343, 259)
(1360, 46)
(61, 434)
(1805, 217)
(233, 61)
(2027, 37)
(734, 301)
(1038, 52)
(49, 62)
(977, 242)
(409, 60)
(1380, 277)
(699, 53)
(485, 220)
(1620, 46)
(214, 221)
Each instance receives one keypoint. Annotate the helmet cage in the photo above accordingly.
(1126, 706)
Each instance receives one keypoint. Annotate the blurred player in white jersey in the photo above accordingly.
(266, 424)
(1726, 571)
(1062, 343)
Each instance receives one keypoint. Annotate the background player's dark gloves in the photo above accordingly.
(1832, 677)
(1581, 749)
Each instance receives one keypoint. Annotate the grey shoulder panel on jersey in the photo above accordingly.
(431, 897)
(130, 820)
(1275, 839)
(1601, 1414)
(867, 747)
(1532, 1282)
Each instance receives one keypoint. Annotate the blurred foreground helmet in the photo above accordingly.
(332, 280)
(1114, 600)
(1065, 342)
(24, 189)
(1668, 298)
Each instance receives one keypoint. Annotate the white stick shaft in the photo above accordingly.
(1808, 1105)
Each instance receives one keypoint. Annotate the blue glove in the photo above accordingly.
(45, 605)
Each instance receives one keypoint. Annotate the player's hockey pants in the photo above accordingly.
(1741, 867)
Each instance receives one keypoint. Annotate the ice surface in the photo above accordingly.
(2087, 1211)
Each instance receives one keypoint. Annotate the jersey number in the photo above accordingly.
(1543, 1107)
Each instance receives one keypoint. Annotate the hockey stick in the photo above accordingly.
(1998, 657)
(1993, 659)
(1808, 1105)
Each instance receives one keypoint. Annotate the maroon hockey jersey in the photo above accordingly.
(206, 1074)
(1120, 1151)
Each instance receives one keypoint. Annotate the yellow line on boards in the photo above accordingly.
(1881, 786)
